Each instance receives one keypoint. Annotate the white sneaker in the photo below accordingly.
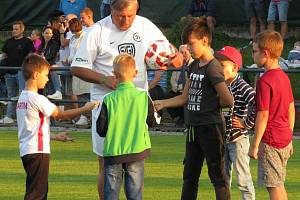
(16, 98)
(4, 102)
(6, 120)
(56, 95)
(82, 121)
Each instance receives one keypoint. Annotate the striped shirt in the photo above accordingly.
(244, 100)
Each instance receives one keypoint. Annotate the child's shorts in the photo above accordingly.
(279, 9)
(272, 165)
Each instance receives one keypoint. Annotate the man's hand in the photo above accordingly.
(237, 122)
(110, 82)
(158, 105)
(92, 105)
(253, 152)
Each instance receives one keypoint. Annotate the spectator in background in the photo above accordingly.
(54, 23)
(206, 8)
(278, 9)
(72, 6)
(80, 88)
(15, 49)
(177, 81)
(36, 39)
(104, 8)
(255, 9)
(49, 50)
(87, 18)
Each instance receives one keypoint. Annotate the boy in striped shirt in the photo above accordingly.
(238, 121)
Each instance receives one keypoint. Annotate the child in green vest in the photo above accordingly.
(123, 120)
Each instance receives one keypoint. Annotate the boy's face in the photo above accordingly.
(196, 46)
(42, 78)
(229, 69)
(259, 56)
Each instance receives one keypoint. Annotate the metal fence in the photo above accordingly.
(65, 71)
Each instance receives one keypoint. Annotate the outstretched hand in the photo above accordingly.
(158, 105)
(92, 105)
(62, 136)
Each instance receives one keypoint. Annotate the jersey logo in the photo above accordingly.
(128, 48)
(137, 37)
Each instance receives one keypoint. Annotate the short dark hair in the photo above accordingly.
(199, 27)
(75, 25)
(20, 23)
(33, 63)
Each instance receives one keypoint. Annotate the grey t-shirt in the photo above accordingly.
(203, 101)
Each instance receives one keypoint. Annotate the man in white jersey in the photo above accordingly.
(121, 32)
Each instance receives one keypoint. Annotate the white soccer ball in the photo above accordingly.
(159, 54)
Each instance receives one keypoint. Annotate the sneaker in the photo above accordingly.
(56, 95)
(6, 120)
(4, 102)
(16, 98)
(82, 121)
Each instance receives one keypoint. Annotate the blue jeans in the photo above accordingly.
(104, 10)
(236, 157)
(21, 81)
(11, 81)
(133, 174)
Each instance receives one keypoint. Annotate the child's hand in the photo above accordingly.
(253, 152)
(158, 105)
(92, 105)
(63, 137)
(237, 122)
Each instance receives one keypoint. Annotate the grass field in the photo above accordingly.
(73, 170)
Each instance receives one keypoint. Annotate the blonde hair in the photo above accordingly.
(124, 65)
(33, 63)
(270, 40)
(121, 4)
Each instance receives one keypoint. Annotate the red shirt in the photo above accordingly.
(274, 94)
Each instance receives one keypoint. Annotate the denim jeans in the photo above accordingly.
(205, 142)
(11, 81)
(236, 157)
(133, 174)
(21, 81)
(279, 9)
(55, 80)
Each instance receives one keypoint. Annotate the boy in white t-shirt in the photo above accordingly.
(33, 117)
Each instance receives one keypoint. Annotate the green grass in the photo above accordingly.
(73, 169)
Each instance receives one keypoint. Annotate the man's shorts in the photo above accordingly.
(278, 10)
(272, 165)
(255, 8)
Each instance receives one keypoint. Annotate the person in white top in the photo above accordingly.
(121, 32)
(33, 118)
(87, 18)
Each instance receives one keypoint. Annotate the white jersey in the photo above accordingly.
(102, 44)
(33, 116)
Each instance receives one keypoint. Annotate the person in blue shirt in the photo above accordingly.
(72, 6)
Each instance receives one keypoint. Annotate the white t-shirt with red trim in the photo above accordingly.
(33, 117)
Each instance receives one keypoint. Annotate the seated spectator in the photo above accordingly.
(255, 9)
(278, 9)
(49, 50)
(72, 6)
(36, 39)
(206, 8)
(80, 88)
(177, 81)
(15, 49)
(294, 54)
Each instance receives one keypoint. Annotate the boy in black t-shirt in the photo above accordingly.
(205, 93)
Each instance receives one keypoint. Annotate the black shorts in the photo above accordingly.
(37, 170)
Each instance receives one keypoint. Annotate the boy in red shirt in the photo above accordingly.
(272, 142)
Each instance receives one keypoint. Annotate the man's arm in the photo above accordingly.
(91, 76)
(260, 127)
(226, 99)
(155, 80)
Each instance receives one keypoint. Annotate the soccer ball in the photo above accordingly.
(159, 54)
